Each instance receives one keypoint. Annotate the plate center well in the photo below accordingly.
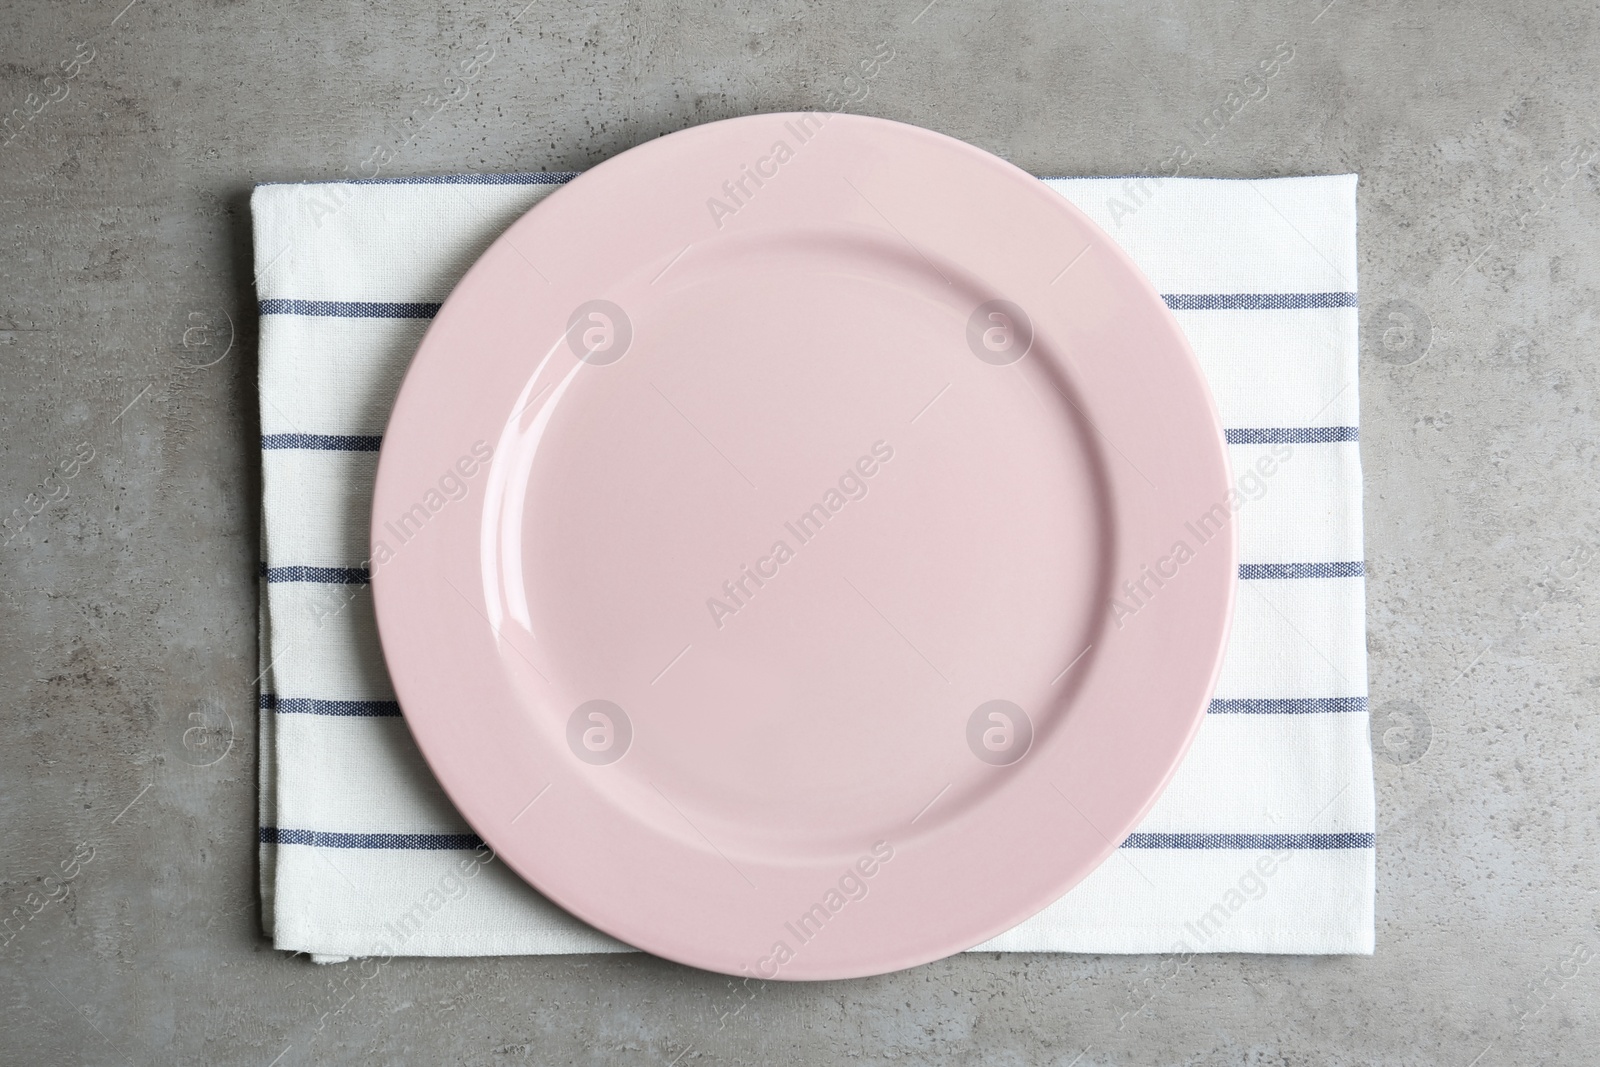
(800, 531)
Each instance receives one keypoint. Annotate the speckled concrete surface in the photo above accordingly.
(127, 646)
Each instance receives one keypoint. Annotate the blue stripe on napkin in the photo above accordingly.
(1251, 841)
(1354, 568)
(349, 309)
(1293, 435)
(323, 442)
(328, 575)
(1257, 301)
(366, 309)
(1247, 571)
(275, 835)
(1237, 706)
(317, 706)
(529, 178)
(1288, 706)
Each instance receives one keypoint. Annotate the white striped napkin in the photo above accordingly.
(1262, 843)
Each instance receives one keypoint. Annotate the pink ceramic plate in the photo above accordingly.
(852, 567)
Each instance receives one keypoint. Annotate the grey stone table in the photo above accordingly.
(128, 602)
